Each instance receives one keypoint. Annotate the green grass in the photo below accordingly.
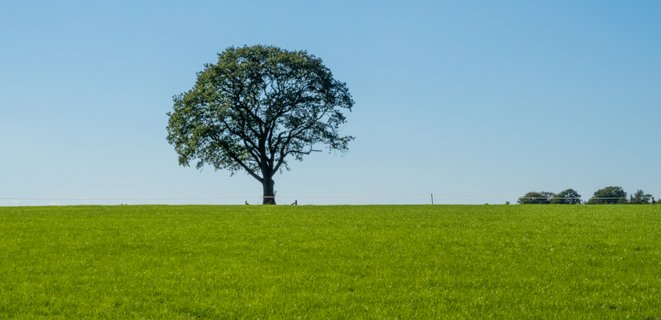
(338, 262)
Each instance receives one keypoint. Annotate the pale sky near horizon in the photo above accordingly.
(473, 101)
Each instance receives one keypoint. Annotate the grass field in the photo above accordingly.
(338, 262)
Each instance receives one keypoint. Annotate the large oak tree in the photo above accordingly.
(256, 108)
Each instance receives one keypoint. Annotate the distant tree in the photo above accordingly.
(640, 197)
(569, 196)
(534, 197)
(609, 195)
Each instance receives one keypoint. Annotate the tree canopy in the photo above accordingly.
(640, 197)
(534, 197)
(255, 109)
(568, 196)
(609, 195)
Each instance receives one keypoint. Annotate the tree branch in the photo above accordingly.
(242, 135)
(235, 158)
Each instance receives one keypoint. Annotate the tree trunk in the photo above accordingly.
(269, 192)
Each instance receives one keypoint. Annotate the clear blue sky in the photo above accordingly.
(474, 101)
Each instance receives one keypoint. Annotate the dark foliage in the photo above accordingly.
(255, 109)
(609, 195)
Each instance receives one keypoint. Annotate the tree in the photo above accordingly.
(536, 198)
(640, 197)
(609, 195)
(255, 109)
(568, 196)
